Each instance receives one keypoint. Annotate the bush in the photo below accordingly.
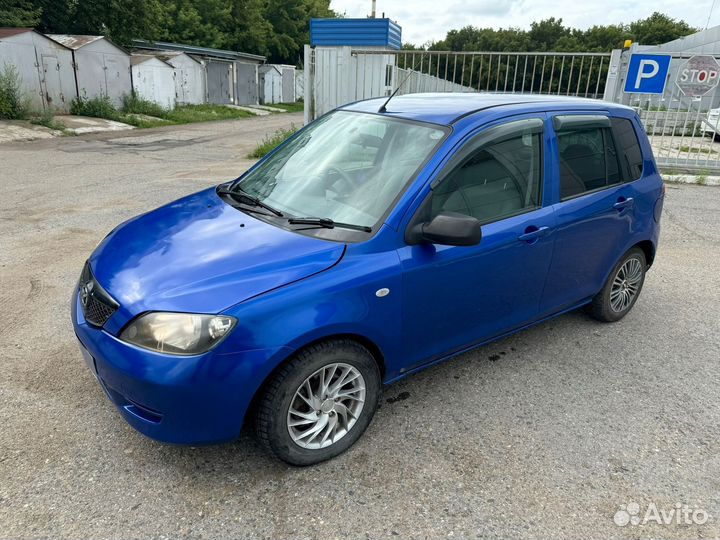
(133, 104)
(98, 107)
(13, 104)
(269, 143)
(47, 119)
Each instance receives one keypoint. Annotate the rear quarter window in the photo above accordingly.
(628, 147)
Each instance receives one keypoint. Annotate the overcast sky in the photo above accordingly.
(424, 20)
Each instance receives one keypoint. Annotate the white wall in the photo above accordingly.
(272, 86)
(154, 80)
(45, 69)
(189, 80)
(103, 69)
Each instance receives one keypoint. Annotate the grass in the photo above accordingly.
(298, 106)
(271, 141)
(698, 150)
(13, 103)
(47, 119)
(145, 114)
(97, 107)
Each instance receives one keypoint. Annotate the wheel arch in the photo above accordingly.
(372, 347)
(648, 249)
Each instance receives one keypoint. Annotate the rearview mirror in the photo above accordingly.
(450, 229)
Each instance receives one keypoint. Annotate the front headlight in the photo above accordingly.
(178, 333)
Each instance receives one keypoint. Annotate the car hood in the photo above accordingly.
(199, 254)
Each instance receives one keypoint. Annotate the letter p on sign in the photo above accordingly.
(647, 73)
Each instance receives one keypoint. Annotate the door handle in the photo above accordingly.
(623, 203)
(534, 234)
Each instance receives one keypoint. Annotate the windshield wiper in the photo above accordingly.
(328, 224)
(243, 196)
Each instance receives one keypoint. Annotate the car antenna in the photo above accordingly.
(383, 107)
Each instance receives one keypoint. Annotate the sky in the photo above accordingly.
(424, 20)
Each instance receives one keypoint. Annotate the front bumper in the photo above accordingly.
(177, 399)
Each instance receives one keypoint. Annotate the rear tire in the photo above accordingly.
(622, 288)
(307, 413)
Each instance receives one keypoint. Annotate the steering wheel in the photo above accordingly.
(345, 176)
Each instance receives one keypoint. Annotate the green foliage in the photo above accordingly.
(136, 105)
(186, 114)
(47, 119)
(658, 28)
(98, 107)
(271, 141)
(290, 107)
(275, 28)
(13, 104)
(552, 35)
(22, 13)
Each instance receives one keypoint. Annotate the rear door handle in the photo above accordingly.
(623, 203)
(534, 235)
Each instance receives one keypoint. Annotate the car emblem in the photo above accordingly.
(85, 292)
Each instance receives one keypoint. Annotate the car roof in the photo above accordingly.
(445, 108)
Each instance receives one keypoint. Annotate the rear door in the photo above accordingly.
(595, 209)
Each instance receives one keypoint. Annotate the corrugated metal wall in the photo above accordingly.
(355, 32)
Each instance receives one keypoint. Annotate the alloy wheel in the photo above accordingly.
(326, 406)
(625, 285)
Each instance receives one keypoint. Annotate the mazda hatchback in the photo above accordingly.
(378, 240)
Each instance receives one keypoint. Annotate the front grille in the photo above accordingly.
(97, 305)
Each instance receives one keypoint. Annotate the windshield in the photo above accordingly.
(346, 167)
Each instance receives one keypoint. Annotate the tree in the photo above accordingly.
(22, 13)
(659, 28)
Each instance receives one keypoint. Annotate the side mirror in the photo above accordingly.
(450, 229)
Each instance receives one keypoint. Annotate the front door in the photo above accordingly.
(457, 296)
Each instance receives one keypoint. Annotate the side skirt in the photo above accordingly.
(485, 342)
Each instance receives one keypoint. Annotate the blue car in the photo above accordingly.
(380, 239)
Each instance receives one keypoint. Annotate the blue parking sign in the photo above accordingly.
(647, 73)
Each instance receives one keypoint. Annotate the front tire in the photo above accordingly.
(622, 288)
(319, 403)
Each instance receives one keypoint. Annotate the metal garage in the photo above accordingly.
(45, 68)
(231, 76)
(276, 83)
(101, 67)
(270, 83)
(153, 79)
(189, 77)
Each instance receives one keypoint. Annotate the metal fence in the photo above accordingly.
(572, 74)
(682, 129)
(338, 75)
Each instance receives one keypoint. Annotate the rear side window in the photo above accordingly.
(588, 159)
(631, 159)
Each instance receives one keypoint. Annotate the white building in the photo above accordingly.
(153, 79)
(190, 85)
(101, 67)
(45, 68)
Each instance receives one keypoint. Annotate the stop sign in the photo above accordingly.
(698, 75)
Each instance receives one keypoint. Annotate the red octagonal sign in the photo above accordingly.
(698, 75)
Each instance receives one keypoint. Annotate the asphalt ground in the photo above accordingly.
(544, 434)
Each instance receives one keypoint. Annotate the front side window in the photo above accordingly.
(498, 178)
(588, 160)
(348, 167)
